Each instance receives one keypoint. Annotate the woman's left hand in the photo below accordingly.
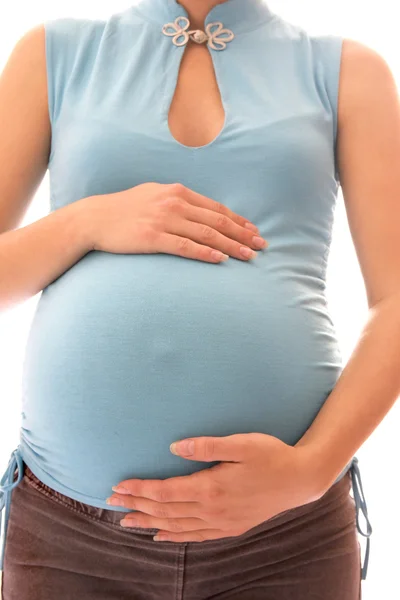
(259, 477)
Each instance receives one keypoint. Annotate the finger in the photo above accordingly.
(234, 448)
(170, 525)
(210, 237)
(186, 488)
(182, 246)
(223, 224)
(202, 201)
(201, 535)
(161, 510)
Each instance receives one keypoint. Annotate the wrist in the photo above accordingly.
(86, 221)
(319, 475)
(328, 460)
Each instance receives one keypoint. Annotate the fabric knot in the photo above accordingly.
(212, 38)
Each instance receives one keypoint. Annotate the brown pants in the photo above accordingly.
(57, 548)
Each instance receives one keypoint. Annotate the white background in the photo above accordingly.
(373, 23)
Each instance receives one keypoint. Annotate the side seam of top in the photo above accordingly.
(330, 52)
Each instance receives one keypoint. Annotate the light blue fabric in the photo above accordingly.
(127, 353)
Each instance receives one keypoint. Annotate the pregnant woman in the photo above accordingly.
(195, 153)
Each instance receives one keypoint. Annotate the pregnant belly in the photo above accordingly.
(127, 353)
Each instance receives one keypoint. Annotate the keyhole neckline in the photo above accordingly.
(168, 98)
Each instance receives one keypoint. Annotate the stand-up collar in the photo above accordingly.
(236, 15)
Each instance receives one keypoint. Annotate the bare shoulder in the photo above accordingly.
(25, 132)
(31, 40)
(27, 60)
(365, 75)
(368, 154)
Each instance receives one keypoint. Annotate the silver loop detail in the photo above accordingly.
(197, 35)
(178, 30)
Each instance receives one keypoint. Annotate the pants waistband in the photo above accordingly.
(7, 484)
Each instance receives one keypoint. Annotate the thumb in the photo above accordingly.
(207, 449)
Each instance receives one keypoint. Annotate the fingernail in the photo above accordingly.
(247, 252)
(115, 501)
(258, 241)
(219, 255)
(185, 447)
(120, 490)
(129, 522)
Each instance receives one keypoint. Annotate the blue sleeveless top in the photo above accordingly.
(128, 353)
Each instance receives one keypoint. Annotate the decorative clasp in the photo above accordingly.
(197, 35)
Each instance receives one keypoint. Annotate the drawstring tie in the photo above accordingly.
(360, 504)
(6, 486)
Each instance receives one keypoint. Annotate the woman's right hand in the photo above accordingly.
(170, 218)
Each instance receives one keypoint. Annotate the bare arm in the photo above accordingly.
(369, 155)
(33, 256)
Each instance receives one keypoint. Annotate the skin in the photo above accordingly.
(197, 11)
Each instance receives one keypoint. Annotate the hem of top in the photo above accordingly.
(58, 487)
(95, 502)
(344, 471)
(268, 20)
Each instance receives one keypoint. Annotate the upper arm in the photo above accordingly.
(26, 130)
(368, 150)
